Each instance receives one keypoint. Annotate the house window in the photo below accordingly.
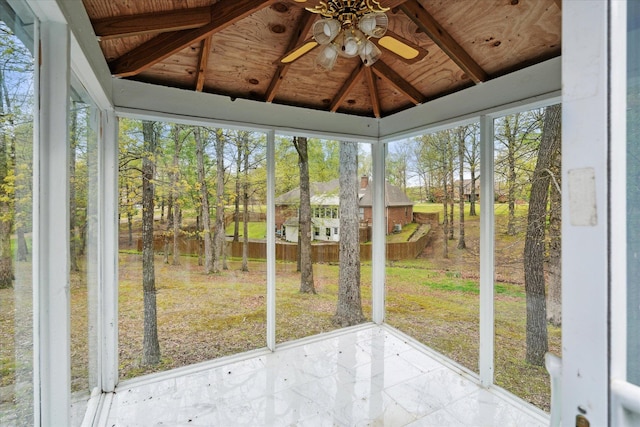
(335, 231)
(316, 231)
(361, 214)
(328, 232)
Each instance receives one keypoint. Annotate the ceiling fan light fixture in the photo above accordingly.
(327, 57)
(351, 43)
(374, 24)
(325, 30)
(369, 53)
(346, 26)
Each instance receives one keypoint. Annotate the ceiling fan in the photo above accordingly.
(350, 28)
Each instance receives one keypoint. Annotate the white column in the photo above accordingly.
(487, 246)
(271, 240)
(585, 124)
(109, 255)
(51, 228)
(378, 237)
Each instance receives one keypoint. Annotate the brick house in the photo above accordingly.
(398, 207)
(324, 210)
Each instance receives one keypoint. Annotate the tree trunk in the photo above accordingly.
(472, 201)
(445, 219)
(175, 193)
(554, 265)
(236, 210)
(199, 237)
(534, 244)
(245, 205)
(349, 310)
(74, 238)
(204, 202)
(461, 243)
(304, 218)
(151, 345)
(169, 227)
(511, 179)
(129, 216)
(23, 250)
(218, 232)
(176, 234)
(6, 214)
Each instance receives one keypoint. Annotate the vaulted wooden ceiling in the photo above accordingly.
(234, 47)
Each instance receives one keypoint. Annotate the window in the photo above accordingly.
(17, 81)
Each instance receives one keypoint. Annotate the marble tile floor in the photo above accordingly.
(363, 376)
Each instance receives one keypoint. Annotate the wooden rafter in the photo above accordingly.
(382, 70)
(373, 91)
(346, 87)
(223, 14)
(298, 36)
(148, 23)
(443, 39)
(559, 4)
(203, 58)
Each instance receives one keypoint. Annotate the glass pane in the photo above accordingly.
(16, 226)
(528, 310)
(84, 122)
(433, 264)
(192, 287)
(307, 291)
(633, 192)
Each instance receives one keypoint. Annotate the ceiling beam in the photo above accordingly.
(346, 87)
(147, 23)
(203, 59)
(298, 36)
(559, 4)
(443, 39)
(382, 70)
(224, 13)
(373, 91)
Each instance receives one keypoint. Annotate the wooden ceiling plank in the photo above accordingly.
(298, 36)
(384, 71)
(346, 87)
(373, 91)
(146, 23)
(203, 59)
(223, 14)
(443, 39)
(559, 4)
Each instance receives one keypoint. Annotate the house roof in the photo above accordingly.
(321, 191)
(234, 47)
(393, 196)
(327, 194)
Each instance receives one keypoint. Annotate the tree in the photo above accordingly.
(349, 310)
(518, 136)
(537, 343)
(304, 218)
(472, 157)
(554, 251)
(150, 346)
(245, 202)
(74, 239)
(204, 201)
(461, 136)
(218, 232)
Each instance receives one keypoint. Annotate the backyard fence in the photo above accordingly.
(321, 253)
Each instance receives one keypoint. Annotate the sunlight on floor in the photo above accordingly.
(362, 376)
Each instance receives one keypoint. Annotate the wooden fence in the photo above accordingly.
(320, 253)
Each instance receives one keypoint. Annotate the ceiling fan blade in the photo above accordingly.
(304, 48)
(404, 49)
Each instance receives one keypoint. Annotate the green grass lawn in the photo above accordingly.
(257, 230)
